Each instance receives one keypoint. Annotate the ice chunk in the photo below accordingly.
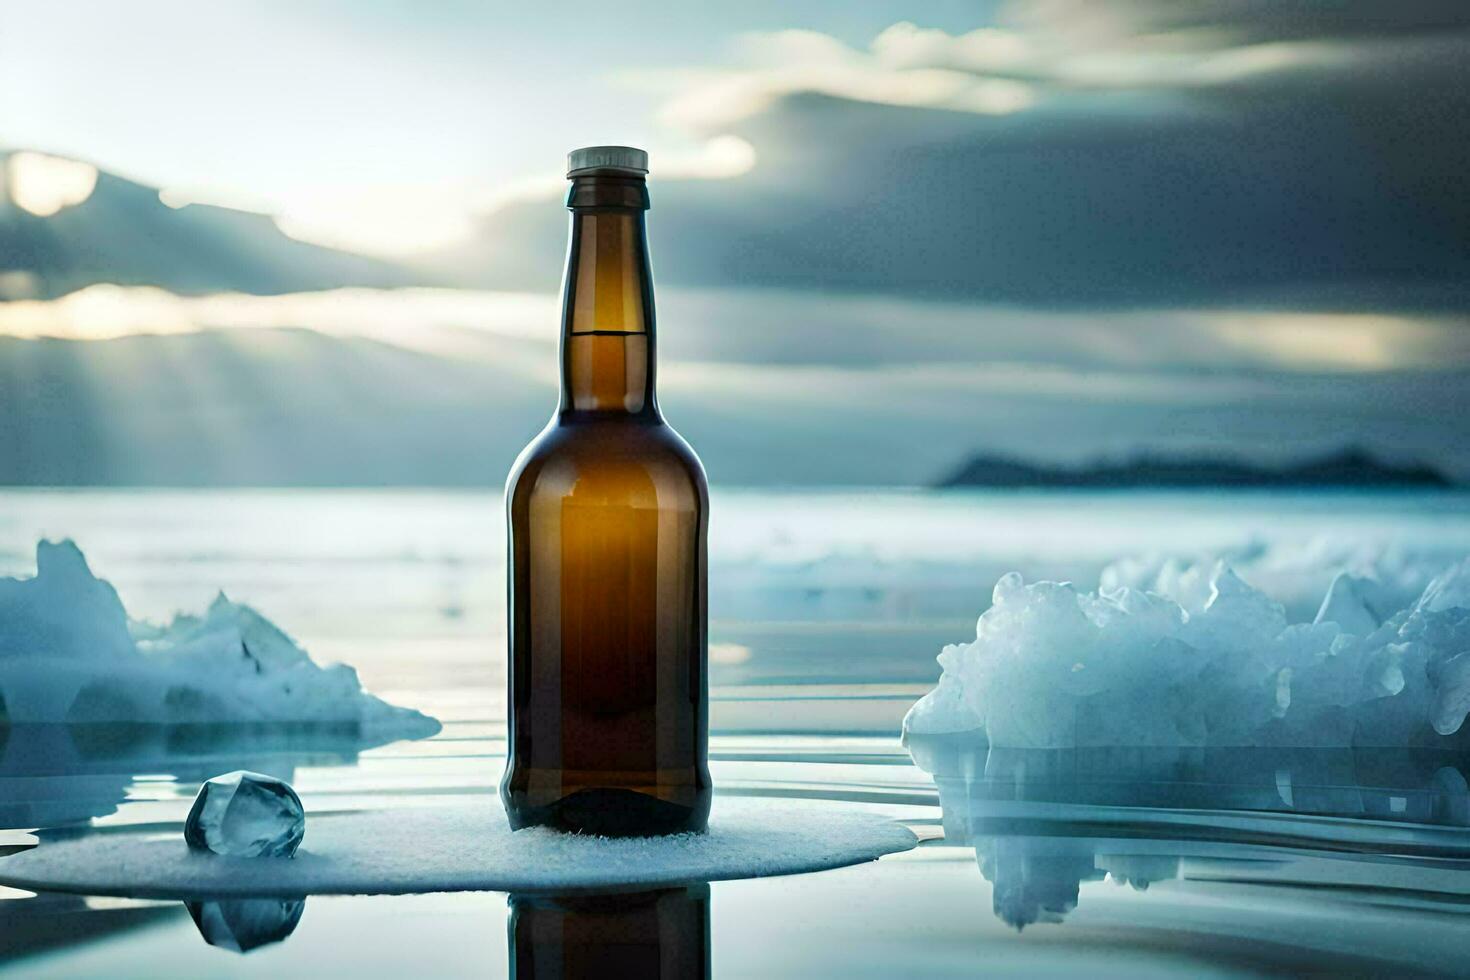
(1449, 590)
(1387, 575)
(244, 924)
(944, 709)
(64, 612)
(246, 814)
(68, 653)
(1208, 661)
(1347, 605)
(1452, 694)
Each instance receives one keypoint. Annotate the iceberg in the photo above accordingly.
(1193, 656)
(69, 654)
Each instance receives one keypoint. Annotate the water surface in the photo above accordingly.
(827, 611)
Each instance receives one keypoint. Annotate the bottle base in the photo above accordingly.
(611, 813)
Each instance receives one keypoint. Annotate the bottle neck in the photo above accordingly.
(607, 344)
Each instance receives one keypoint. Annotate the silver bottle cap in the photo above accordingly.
(625, 159)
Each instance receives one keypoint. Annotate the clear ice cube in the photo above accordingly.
(246, 814)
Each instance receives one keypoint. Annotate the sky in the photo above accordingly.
(313, 110)
(1241, 224)
(391, 125)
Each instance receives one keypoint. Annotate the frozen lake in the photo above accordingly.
(827, 609)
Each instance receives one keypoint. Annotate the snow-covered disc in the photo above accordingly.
(465, 847)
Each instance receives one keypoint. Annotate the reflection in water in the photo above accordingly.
(647, 934)
(53, 774)
(243, 924)
(48, 921)
(981, 786)
(1032, 887)
(1043, 822)
(1138, 870)
(1038, 879)
(45, 780)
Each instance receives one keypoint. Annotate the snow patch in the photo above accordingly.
(467, 847)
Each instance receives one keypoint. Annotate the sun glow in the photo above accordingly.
(44, 185)
(425, 318)
(1337, 341)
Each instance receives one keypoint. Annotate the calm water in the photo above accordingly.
(827, 611)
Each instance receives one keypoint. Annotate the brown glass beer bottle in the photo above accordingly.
(608, 512)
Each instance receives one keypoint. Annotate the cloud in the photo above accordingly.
(1050, 52)
(905, 67)
(1243, 156)
(864, 331)
(1220, 22)
(763, 328)
(515, 329)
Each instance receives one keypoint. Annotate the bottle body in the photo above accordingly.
(607, 513)
(608, 691)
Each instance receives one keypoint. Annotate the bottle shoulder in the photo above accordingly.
(622, 458)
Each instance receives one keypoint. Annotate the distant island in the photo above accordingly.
(1348, 469)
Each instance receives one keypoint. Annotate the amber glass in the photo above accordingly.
(662, 934)
(607, 511)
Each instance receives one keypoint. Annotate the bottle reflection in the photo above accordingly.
(648, 934)
(243, 924)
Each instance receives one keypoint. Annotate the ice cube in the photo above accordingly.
(246, 814)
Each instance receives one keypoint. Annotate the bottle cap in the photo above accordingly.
(627, 160)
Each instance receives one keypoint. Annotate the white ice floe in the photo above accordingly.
(1192, 655)
(468, 847)
(908, 574)
(1391, 575)
(69, 653)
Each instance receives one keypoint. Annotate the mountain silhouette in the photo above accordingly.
(123, 233)
(1352, 467)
